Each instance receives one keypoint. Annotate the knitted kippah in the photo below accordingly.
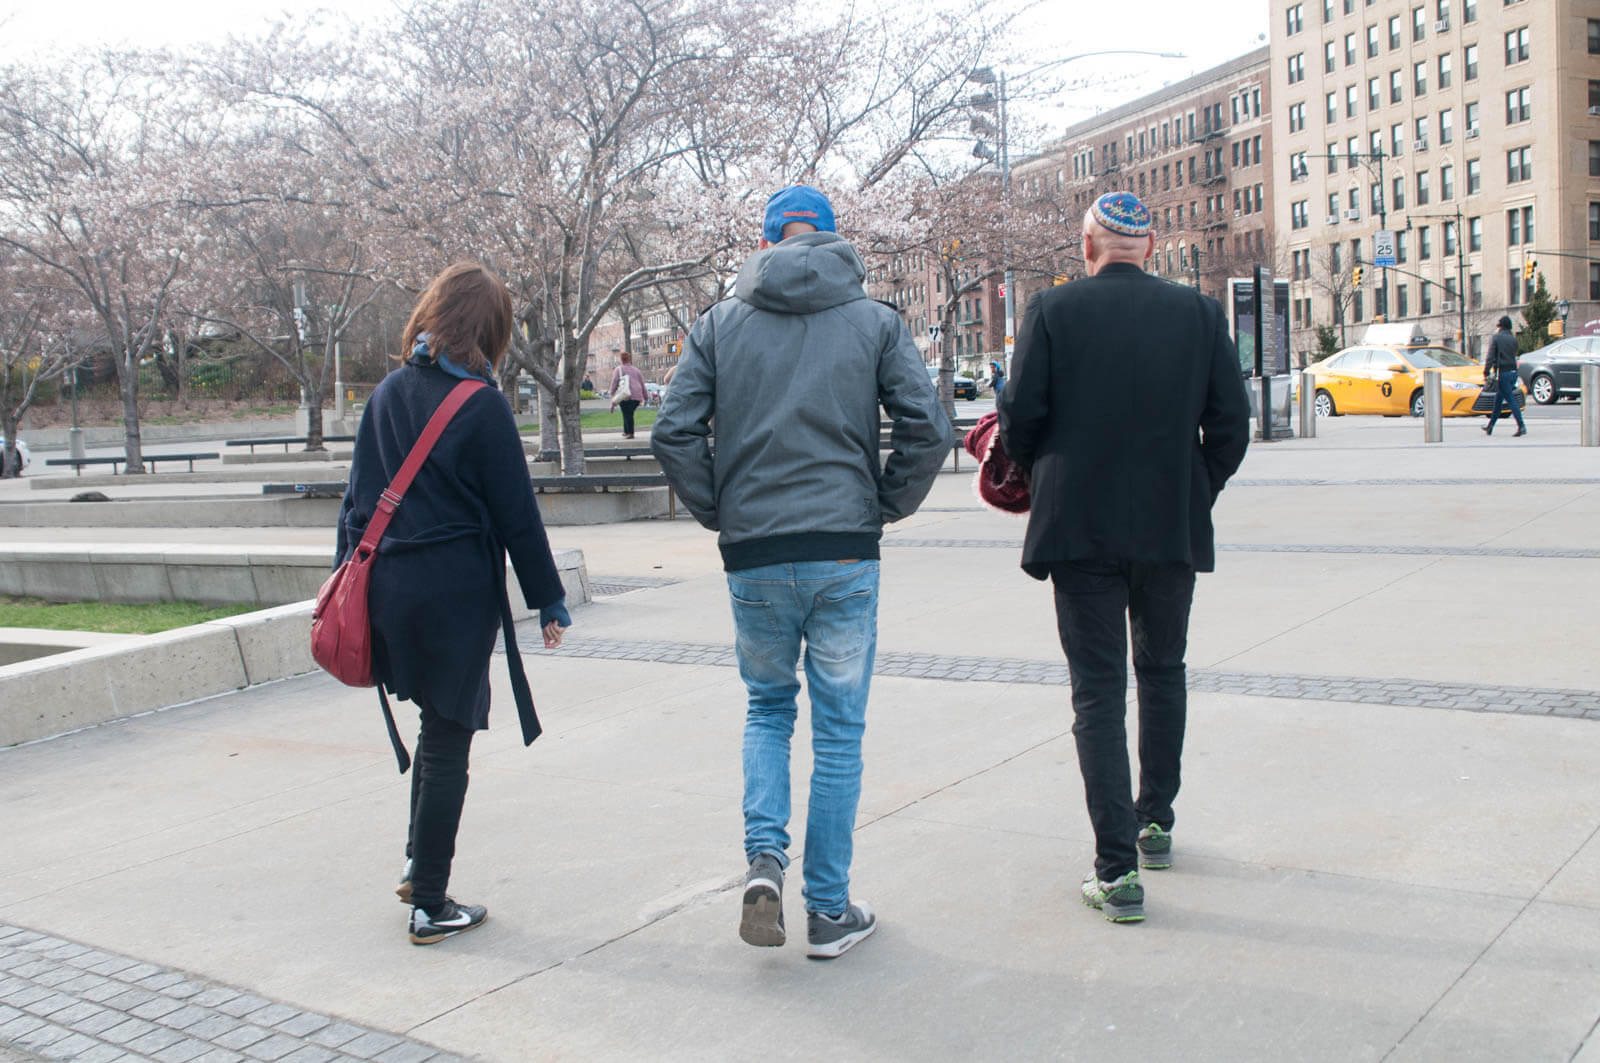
(1121, 212)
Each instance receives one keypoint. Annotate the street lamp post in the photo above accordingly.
(998, 103)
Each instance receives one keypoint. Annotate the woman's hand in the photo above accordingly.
(552, 634)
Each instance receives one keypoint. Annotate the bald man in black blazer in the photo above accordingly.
(1127, 407)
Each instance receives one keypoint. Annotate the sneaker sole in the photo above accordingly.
(1155, 861)
(761, 918)
(834, 949)
(1118, 913)
(433, 939)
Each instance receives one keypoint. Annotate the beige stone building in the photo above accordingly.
(1468, 128)
(1198, 152)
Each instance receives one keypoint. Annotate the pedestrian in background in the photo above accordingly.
(1123, 482)
(627, 391)
(997, 378)
(793, 369)
(1500, 373)
(438, 594)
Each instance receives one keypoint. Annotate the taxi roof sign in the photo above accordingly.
(1397, 334)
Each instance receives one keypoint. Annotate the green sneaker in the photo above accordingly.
(1155, 848)
(1121, 900)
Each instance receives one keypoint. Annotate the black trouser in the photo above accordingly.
(438, 789)
(627, 406)
(1094, 601)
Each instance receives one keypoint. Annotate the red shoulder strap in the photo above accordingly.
(390, 499)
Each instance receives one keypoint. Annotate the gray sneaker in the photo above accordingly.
(1121, 900)
(831, 935)
(761, 915)
(1155, 848)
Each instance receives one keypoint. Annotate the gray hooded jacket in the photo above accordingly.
(790, 372)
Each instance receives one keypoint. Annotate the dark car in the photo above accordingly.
(963, 387)
(1556, 369)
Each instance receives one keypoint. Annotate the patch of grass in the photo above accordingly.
(603, 419)
(117, 619)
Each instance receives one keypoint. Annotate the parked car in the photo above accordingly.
(963, 386)
(1388, 380)
(22, 452)
(1556, 369)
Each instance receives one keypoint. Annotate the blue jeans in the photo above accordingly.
(1506, 395)
(833, 606)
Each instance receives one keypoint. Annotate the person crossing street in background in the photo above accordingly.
(1500, 374)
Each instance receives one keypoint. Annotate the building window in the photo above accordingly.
(1375, 144)
(1298, 217)
(1330, 56)
(1425, 243)
(1399, 193)
(1469, 10)
(1517, 46)
(1422, 188)
(1422, 133)
(1519, 225)
(1594, 158)
(1374, 94)
(1594, 268)
(1357, 309)
(1294, 18)
(1469, 63)
(1350, 101)
(1419, 79)
(1333, 158)
(1352, 152)
(1450, 238)
(1402, 304)
(1594, 94)
(1376, 191)
(1419, 23)
(1297, 67)
(1396, 87)
(1472, 118)
(1475, 291)
(1518, 105)
(1594, 42)
(1297, 117)
(1350, 48)
(1474, 234)
(1394, 32)
(1327, 11)
(1397, 139)
(1372, 42)
(1333, 107)
(1402, 245)
(1519, 164)
(1444, 71)
(1447, 128)
(1444, 10)
(1594, 221)
(1425, 292)
(1447, 183)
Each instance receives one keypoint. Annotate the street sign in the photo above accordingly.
(1383, 247)
(933, 333)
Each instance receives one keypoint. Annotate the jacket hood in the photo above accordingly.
(801, 275)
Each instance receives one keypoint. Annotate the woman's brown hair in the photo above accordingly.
(466, 312)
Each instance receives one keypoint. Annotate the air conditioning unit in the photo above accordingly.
(1441, 25)
(1447, 307)
(1472, 134)
(1352, 215)
(1594, 112)
(1420, 144)
(1332, 219)
(1237, 212)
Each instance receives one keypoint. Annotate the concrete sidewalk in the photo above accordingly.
(1386, 847)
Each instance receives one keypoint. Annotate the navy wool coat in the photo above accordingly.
(440, 575)
(1127, 407)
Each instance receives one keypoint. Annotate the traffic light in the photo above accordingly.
(1529, 267)
(1355, 276)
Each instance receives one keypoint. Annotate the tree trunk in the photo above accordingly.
(11, 460)
(128, 386)
(314, 418)
(549, 427)
(569, 403)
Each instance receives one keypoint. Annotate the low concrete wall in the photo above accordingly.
(557, 509)
(215, 575)
(251, 477)
(275, 456)
(136, 674)
(29, 643)
(48, 439)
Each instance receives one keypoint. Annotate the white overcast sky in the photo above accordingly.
(1208, 33)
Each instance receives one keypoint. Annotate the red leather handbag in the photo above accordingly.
(341, 628)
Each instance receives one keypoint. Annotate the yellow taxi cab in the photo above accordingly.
(1383, 375)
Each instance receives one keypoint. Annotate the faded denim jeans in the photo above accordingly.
(833, 607)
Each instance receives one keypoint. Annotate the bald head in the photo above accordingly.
(1101, 246)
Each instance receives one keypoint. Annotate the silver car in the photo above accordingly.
(22, 452)
(1556, 369)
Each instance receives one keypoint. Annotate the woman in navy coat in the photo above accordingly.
(438, 597)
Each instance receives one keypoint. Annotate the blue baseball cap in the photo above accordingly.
(796, 203)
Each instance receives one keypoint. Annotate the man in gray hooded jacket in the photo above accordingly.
(791, 372)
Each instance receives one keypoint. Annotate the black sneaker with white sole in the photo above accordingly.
(449, 920)
(761, 915)
(831, 935)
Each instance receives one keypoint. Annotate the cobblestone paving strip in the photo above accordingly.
(63, 1001)
(1470, 697)
(610, 586)
(1578, 552)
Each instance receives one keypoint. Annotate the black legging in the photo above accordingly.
(627, 406)
(438, 790)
